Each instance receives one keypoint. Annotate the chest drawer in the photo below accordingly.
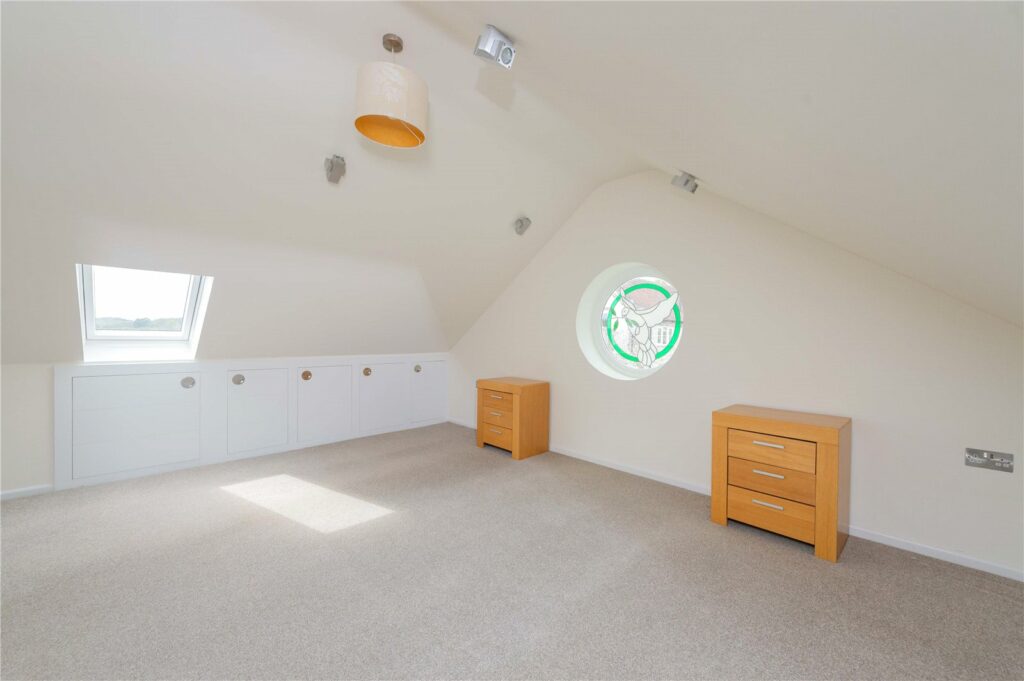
(495, 416)
(797, 455)
(772, 513)
(780, 482)
(493, 398)
(495, 435)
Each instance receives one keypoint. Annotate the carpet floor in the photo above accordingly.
(417, 555)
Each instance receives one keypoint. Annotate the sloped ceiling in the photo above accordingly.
(191, 136)
(893, 130)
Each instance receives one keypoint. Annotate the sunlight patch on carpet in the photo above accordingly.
(316, 507)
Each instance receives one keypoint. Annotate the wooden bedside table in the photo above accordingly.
(512, 413)
(787, 472)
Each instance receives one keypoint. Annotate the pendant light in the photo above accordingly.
(391, 101)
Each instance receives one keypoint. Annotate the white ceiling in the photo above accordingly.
(893, 130)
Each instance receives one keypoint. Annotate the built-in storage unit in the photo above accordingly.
(257, 409)
(324, 403)
(135, 421)
(786, 472)
(513, 413)
(384, 396)
(113, 421)
(429, 391)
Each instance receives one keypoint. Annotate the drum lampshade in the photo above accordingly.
(391, 105)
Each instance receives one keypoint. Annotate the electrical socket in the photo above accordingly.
(986, 458)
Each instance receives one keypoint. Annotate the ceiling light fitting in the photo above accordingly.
(391, 101)
(495, 46)
(685, 181)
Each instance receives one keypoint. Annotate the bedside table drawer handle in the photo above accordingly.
(767, 474)
(495, 430)
(495, 413)
(765, 503)
(768, 444)
(495, 397)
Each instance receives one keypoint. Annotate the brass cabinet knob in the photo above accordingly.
(306, 375)
(417, 368)
(238, 379)
(367, 371)
(188, 382)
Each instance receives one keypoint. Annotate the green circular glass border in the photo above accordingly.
(675, 333)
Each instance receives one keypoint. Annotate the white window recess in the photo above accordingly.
(130, 315)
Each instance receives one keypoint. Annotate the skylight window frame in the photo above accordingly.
(118, 346)
(195, 286)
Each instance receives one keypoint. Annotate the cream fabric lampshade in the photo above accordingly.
(391, 105)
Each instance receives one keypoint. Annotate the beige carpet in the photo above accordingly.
(483, 568)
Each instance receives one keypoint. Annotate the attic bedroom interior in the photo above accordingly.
(512, 340)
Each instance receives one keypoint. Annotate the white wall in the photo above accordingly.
(26, 426)
(773, 317)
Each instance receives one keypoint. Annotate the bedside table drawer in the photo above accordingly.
(783, 452)
(495, 417)
(771, 513)
(780, 482)
(494, 435)
(493, 398)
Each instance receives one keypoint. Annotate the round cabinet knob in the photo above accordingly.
(238, 379)
(417, 368)
(188, 382)
(367, 371)
(306, 375)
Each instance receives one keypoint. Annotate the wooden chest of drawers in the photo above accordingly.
(512, 413)
(783, 471)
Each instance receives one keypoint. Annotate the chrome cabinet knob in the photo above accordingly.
(306, 375)
(417, 368)
(188, 382)
(367, 371)
(238, 379)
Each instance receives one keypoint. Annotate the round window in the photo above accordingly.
(629, 321)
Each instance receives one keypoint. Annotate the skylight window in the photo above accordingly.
(132, 315)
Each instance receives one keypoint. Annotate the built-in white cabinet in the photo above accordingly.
(119, 421)
(384, 396)
(132, 422)
(257, 409)
(324, 405)
(429, 391)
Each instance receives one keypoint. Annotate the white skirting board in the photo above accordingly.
(25, 492)
(896, 542)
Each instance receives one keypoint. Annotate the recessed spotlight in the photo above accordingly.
(685, 181)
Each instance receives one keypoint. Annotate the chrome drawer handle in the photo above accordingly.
(765, 503)
(769, 444)
(495, 413)
(767, 474)
(495, 430)
(188, 382)
(238, 379)
(496, 397)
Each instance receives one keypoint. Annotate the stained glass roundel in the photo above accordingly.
(641, 323)
(629, 322)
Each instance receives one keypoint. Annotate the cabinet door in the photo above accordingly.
(257, 409)
(429, 394)
(125, 423)
(383, 397)
(324, 399)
